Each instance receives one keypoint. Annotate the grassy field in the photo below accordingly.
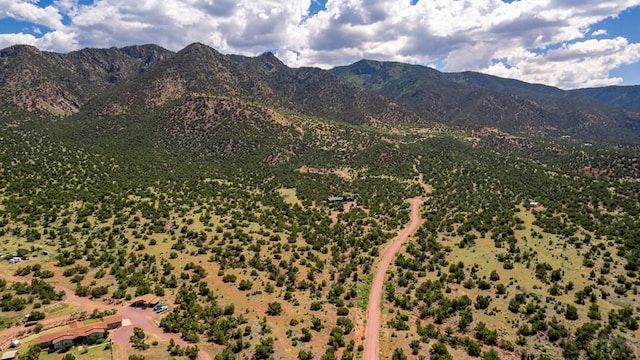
(290, 197)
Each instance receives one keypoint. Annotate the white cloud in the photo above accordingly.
(581, 64)
(528, 35)
(58, 40)
(245, 27)
(7, 40)
(28, 11)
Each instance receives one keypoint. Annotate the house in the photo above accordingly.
(113, 321)
(10, 355)
(77, 332)
(148, 300)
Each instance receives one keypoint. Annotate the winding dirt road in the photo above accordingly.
(372, 331)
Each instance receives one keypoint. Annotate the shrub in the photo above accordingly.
(274, 308)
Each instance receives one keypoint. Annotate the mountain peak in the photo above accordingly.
(198, 47)
(270, 62)
(150, 53)
(16, 50)
(268, 55)
(200, 52)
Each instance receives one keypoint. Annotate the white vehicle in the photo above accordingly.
(161, 309)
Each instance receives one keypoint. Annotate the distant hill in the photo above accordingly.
(627, 97)
(151, 81)
(474, 100)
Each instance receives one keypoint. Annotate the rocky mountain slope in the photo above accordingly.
(150, 80)
(117, 81)
(52, 84)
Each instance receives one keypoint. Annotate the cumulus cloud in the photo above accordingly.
(245, 27)
(531, 40)
(7, 40)
(29, 11)
(581, 64)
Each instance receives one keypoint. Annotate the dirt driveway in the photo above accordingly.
(372, 331)
(146, 319)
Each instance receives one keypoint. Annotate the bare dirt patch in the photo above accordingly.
(343, 173)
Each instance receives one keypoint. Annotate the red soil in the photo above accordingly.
(372, 331)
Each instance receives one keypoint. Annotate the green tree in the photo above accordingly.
(609, 347)
(594, 312)
(398, 354)
(482, 333)
(306, 335)
(571, 312)
(138, 339)
(263, 349)
(466, 317)
(494, 276)
(491, 355)
(33, 353)
(473, 348)
(570, 350)
(439, 352)
(274, 308)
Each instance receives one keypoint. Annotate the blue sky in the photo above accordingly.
(568, 44)
(626, 25)
(317, 6)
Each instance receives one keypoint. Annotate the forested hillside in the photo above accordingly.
(206, 184)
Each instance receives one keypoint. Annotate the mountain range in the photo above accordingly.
(189, 88)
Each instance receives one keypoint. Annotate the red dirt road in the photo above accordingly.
(372, 331)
